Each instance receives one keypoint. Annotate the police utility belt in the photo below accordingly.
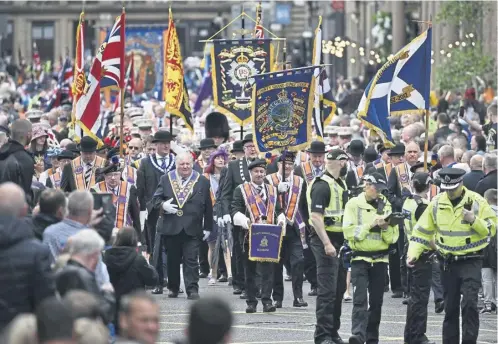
(371, 254)
(448, 259)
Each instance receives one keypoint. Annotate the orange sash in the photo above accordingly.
(256, 206)
(433, 191)
(79, 172)
(213, 196)
(55, 178)
(120, 201)
(304, 157)
(403, 177)
(387, 168)
(307, 172)
(293, 195)
(129, 174)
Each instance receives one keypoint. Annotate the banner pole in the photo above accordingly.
(121, 124)
(426, 139)
(243, 27)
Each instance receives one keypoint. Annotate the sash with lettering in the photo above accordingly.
(404, 177)
(79, 172)
(55, 177)
(120, 201)
(182, 191)
(292, 212)
(308, 173)
(265, 238)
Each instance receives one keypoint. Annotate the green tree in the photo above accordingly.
(466, 60)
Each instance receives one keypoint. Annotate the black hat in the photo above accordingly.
(257, 163)
(87, 144)
(317, 147)
(415, 167)
(162, 136)
(377, 180)
(112, 152)
(451, 177)
(381, 148)
(356, 148)
(399, 149)
(65, 154)
(207, 143)
(111, 166)
(422, 178)
(247, 138)
(287, 157)
(237, 146)
(337, 154)
(216, 124)
(370, 154)
(73, 147)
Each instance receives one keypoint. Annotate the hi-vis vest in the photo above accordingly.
(403, 172)
(334, 210)
(120, 201)
(409, 208)
(79, 172)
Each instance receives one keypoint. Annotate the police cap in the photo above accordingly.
(337, 154)
(451, 177)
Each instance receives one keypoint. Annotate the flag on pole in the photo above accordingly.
(174, 89)
(79, 79)
(324, 106)
(37, 71)
(129, 85)
(258, 28)
(55, 97)
(206, 89)
(113, 58)
(401, 86)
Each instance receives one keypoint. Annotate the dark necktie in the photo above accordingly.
(163, 162)
(317, 171)
(88, 174)
(261, 193)
(160, 122)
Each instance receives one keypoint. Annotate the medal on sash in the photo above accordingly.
(182, 192)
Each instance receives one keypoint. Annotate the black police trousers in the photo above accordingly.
(251, 270)
(416, 314)
(237, 260)
(331, 280)
(461, 278)
(368, 295)
(292, 250)
(309, 264)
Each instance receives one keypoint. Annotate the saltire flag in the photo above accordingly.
(87, 114)
(113, 59)
(129, 85)
(206, 89)
(282, 107)
(79, 79)
(324, 105)
(175, 91)
(258, 28)
(401, 86)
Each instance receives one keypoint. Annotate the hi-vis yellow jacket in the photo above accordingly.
(452, 234)
(358, 220)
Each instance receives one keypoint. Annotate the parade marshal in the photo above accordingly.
(186, 216)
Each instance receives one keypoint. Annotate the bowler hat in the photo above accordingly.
(207, 143)
(237, 146)
(317, 147)
(87, 145)
(162, 136)
(65, 154)
(248, 138)
(399, 149)
(356, 148)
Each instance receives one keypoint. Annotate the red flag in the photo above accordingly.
(113, 59)
(79, 79)
(258, 29)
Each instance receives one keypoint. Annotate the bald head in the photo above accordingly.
(13, 200)
(476, 163)
(21, 131)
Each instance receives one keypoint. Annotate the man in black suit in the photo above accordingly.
(237, 173)
(151, 169)
(186, 215)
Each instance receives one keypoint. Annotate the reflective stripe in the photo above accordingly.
(333, 212)
(434, 212)
(475, 208)
(423, 230)
(374, 236)
(337, 196)
(357, 229)
(420, 241)
(456, 233)
(464, 247)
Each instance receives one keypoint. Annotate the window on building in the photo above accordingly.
(42, 33)
(7, 40)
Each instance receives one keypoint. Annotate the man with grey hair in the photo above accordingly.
(471, 179)
(25, 278)
(446, 156)
(184, 200)
(16, 164)
(80, 215)
(490, 179)
(85, 249)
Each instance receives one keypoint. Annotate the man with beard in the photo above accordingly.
(327, 196)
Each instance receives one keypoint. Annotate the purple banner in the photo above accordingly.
(265, 243)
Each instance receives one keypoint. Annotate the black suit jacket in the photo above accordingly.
(134, 209)
(147, 181)
(471, 179)
(231, 181)
(197, 210)
(218, 210)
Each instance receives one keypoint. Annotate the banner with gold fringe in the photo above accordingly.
(234, 63)
(265, 242)
(282, 109)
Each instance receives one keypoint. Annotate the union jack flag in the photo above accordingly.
(113, 58)
(62, 86)
(258, 29)
(129, 85)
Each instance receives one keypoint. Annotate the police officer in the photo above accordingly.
(419, 277)
(326, 197)
(369, 232)
(461, 223)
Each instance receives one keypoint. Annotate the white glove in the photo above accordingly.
(215, 218)
(206, 235)
(283, 187)
(240, 219)
(220, 222)
(170, 208)
(227, 219)
(281, 220)
(143, 218)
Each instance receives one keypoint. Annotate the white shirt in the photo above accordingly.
(161, 158)
(263, 192)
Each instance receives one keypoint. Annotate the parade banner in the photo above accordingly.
(265, 242)
(234, 62)
(282, 110)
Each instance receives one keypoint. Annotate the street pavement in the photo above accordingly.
(291, 325)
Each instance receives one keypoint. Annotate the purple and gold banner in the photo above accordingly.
(265, 242)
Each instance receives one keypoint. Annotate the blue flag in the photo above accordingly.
(282, 109)
(401, 86)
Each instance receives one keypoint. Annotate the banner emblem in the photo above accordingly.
(265, 242)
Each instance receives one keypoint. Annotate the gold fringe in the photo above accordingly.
(266, 260)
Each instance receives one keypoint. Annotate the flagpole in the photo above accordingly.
(121, 124)
(427, 118)
(243, 27)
